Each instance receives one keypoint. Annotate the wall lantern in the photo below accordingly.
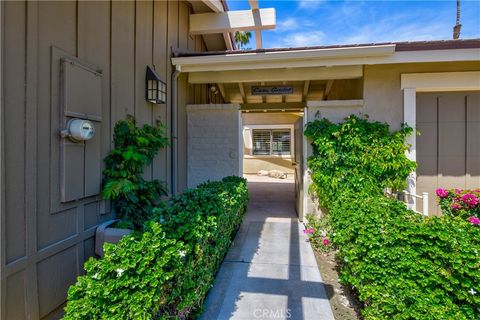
(156, 88)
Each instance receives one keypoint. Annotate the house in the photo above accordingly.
(62, 61)
(433, 86)
(87, 60)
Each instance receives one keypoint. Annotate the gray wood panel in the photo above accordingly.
(473, 141)
(427, 146)
(123, 60)
(14, 96)
(47, 241)
(162, 66)
(448, 149)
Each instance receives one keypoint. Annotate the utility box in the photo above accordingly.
(81, 98)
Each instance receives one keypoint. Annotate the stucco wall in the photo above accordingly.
(253, 164)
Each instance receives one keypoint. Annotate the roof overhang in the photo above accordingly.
(325, 57)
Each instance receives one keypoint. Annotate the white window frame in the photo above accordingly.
(270, 127)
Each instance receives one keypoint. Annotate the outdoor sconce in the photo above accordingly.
(156, 88)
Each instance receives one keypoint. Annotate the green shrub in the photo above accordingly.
(403, 265)
(166, 271)
(133, 197)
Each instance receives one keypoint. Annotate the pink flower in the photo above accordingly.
(458, 191)
(470, 199)
(309, 230)
(326, 242)
(442, 193)
(474, 220)
(455, 206)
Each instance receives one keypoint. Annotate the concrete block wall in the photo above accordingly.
(213, 142)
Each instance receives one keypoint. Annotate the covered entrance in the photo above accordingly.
(272, 105)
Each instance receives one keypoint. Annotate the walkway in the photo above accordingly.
(270, 271)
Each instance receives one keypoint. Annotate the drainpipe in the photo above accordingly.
(174, 130)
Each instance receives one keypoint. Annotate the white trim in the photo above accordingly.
(409, 117)
(305, 167)
(284, 57)
(335, 103)
(442, 81)
(321, 58)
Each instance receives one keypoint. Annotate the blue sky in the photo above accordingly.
(324, 22)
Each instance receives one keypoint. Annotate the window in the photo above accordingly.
(271, 142)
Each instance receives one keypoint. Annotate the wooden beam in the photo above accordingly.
(284, 74)
(258, 33)
(328, 87)
(241, 20)
(215, 5)
(228, 40)
(273, 106)
(242, 92)
(221, 88)
(258, 39)
(306, 87)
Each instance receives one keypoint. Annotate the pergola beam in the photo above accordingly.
(258, 33)
(328, 88)
(306, 87)
(242, 92)
(229, 21)
(221, 88)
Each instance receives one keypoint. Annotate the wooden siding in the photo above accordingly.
(44, 242)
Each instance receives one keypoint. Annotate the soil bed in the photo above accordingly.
(344, 303)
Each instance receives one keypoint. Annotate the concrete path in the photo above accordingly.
(270, 271)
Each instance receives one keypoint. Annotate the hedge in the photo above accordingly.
(402, 265)
(166, 271)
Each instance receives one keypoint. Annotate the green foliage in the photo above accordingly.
(134, 197)
(357, 155)
(166, 271)
(403, 265)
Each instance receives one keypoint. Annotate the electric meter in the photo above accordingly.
(79, 130)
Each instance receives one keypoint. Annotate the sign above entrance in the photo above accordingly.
(270, 91)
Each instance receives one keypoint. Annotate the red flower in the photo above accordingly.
(326, 242)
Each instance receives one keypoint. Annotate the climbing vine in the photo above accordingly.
(134, 198)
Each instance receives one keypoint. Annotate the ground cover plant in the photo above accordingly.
(166, 270)
(401, 264)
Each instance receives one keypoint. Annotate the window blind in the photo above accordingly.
(271, 142)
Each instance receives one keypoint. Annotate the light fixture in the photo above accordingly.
(156, 88)
(213, 89)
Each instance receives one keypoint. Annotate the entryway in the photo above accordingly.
(270, 271)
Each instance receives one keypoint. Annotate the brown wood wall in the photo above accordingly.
(44, 242)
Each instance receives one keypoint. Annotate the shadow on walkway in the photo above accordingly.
(270, 271)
